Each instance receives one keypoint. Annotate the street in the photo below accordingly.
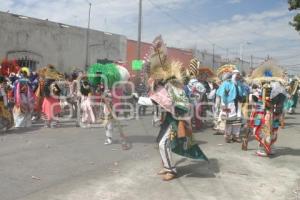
(70, 163)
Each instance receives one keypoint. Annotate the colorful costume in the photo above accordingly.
(232, 94)
(292, 101)
(195, 91)
(223, 73)
(265, 118)
(175, 134)
(51, 101)
(51, 104)
(24, 103)
(88, 115)
(6, 119)
(109, 75)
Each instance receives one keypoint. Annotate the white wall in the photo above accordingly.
(49, 43)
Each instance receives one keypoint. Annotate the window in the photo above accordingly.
(27, 62)
(26, 59)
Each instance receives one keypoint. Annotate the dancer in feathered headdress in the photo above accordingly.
(268, 101)
(106, 77)
(8, 67)
(195, 90)
(6, 120)
(51, 95)
(231, 95)
(24, 102)
(175, 134)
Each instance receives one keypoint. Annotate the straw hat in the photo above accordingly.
(228, 68)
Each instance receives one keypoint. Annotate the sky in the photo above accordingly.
(235, 27)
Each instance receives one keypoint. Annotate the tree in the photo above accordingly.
(295, 5)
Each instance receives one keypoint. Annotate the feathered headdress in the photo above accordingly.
(49, 72)
(194, 67)
(228, 68)
(207, 71)
(267, 72)
(9, 66)
(160, 67)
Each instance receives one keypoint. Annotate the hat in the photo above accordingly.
(235, 71)
(226, 76)
(224, 69)
(194, 67)
(267, 72)
(206, 71)
(25, 70)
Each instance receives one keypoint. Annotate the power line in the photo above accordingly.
(182, 24)
(205, 40)
(292, 65)
(289, 57)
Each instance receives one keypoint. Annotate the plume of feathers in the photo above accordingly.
(160, 67)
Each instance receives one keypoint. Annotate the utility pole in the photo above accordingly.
(88, 38)
(139, 31)
(213, 57)
(251, 61)
(227, 58)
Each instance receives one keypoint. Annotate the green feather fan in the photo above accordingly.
(103, 73)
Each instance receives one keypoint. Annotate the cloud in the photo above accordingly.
(268, 31)
(234, 1)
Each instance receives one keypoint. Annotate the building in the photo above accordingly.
(242, 65)
(208, 59)
(35, 43)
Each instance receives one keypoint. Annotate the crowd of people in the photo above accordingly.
(49, 95)
(186, 98)
(243, 105)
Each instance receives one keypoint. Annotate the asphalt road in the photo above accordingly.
(70, 163)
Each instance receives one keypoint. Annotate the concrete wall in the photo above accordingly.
(53, 43)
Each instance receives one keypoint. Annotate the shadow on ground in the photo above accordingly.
(21, 130)
(292, 124)
(286, 151)
(146, 139)
(198, 169)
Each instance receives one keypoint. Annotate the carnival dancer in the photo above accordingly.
(175, 134)
(265, 118)
(88, 116)
(109, 75)
(206, 76)
(292, 101)
(24, 101)
(5, 114)
(223, 73)
(195, 91)
(74, 90)
(231, 92)
(37, 85)
(51, 102)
